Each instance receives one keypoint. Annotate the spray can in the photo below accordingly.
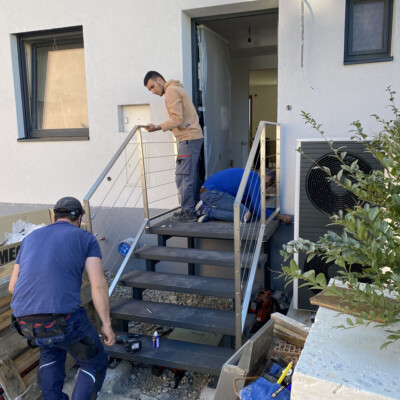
(124, 246)
(156, 340)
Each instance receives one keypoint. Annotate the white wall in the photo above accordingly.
(123, 40)
(335, 94)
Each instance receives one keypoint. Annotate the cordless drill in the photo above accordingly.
(131, 342)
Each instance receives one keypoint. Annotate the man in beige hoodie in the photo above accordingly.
(184, 123)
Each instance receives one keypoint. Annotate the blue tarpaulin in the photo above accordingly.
(261, 389)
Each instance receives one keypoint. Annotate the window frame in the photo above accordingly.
(37, 39)
(368, 56)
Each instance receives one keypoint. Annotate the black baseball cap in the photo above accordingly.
(69, 206)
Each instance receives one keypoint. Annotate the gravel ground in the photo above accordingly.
(144, 384)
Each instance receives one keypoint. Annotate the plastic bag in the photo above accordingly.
(261, 389)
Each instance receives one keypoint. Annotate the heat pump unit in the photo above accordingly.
(317, 199)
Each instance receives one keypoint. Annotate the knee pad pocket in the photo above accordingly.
(85, 349)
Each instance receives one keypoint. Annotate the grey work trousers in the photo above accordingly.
(186, 173)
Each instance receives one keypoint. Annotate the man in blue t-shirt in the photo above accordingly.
(220, 189)
(46, 283)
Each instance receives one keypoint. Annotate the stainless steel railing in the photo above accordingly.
(136, 186)
(248, 236)
(139, 180)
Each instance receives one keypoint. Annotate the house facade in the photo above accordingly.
(331, 58)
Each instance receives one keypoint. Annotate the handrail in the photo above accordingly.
(141, 162)
(246, 300)
(100, 179)
(241, 307)
(91, 191)
(127, 257)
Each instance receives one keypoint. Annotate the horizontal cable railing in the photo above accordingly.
(257, 202)
(139, 175)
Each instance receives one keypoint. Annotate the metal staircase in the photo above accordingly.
(249, 255)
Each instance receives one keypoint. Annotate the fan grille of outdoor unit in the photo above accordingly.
(330, 270)
(325, 195)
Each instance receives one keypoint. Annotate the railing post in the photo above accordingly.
(262, 175)
(278, 168)
(238, 290)
(88, 217)
(143, 175)
(176, 149)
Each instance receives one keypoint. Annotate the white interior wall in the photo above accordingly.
(240, 68)
(264, 105)
(335, 94)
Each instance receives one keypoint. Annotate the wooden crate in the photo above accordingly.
(18, 362)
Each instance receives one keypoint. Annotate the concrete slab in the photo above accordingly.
(346, 363)
(115, 380)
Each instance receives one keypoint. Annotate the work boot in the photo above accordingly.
(176, 213)
(185, 216)
(204, 218)
(200, 207)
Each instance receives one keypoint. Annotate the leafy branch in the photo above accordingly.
(371, 230)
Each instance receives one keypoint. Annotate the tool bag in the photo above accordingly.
(40, 326)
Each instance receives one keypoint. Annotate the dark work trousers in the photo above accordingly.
(82, 341)
(219, 205)
(186, 174)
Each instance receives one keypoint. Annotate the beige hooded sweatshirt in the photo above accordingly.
(183, 118)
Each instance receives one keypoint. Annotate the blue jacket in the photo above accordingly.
(228, 181)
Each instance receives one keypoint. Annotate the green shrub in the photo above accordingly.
(371, 230)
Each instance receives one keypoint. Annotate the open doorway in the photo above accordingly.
(263, 95)
(250, 69)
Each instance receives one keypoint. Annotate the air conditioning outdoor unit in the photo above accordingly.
(317, 199)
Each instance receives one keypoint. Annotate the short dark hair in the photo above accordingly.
(72, 218)
(152, 75)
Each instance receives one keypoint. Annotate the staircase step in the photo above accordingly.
(176, 354)
(199, 285)
(195, 256)
(212, 229)
(201, 319)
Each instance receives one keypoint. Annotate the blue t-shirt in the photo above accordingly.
(51, 262)
(228, 181)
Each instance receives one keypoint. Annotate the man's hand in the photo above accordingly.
(108, 335)
(152, 128)
(284, 218)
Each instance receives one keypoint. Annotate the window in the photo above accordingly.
(53, 82)
(368, 31)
